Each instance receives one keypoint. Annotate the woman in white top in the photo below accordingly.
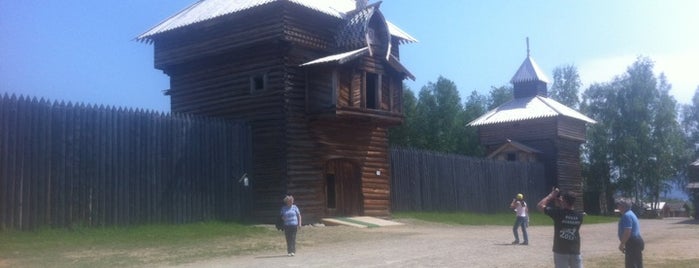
(522, 220)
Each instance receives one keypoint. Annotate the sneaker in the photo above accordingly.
(515, 242)
(525, 243)
(292, 254)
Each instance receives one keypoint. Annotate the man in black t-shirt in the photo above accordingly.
(566, 226)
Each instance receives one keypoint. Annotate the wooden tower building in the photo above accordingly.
(541, 128)
(319, 82)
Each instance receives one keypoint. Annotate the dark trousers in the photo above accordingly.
(634, 252)
(290, 234)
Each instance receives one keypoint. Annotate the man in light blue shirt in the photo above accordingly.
(630, 240)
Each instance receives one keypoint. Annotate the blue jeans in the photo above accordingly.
(521, 221)
(567, 260)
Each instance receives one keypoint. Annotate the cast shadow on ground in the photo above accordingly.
(506, 244)
(688, 221)
(272, 256)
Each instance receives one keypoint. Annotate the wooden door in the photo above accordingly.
(343, 188)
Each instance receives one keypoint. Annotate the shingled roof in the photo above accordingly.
(350, 55)
(204, 10)
(529, 71)
(528, 108)
(353, 33)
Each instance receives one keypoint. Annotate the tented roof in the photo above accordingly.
(529, 71)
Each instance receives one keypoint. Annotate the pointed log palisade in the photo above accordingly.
(320, 82)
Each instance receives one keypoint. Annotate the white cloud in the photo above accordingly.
(603, 69)
(680, 73)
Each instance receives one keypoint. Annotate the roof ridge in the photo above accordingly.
(548, 102)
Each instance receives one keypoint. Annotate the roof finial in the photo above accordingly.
(527, 46)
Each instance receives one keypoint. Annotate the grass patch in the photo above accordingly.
(127, 246)
(158, 245)
(618, 261)
(504, 219)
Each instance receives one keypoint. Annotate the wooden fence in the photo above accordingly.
(63, 165)
(431, 181)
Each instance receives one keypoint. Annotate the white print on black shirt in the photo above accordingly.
(567, 234)
(571, 220)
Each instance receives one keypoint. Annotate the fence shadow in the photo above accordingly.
(688, 221)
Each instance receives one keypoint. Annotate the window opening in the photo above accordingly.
(372, 90)
(258, 83)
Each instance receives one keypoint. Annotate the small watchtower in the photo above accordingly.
(319, 82)
(550, 129)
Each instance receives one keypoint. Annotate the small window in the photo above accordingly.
(258, 83)
(371, 36)
(372, 90)
(511, 157)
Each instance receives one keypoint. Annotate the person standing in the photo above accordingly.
(292, 221)
(630, 240)
(566, 228)
(522, 219)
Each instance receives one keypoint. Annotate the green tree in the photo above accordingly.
(690, 125)
(439, 112)
(597, 103)
(669, 145)
(690, 122)
(638, 129)
(475, 106)
(404, 134)
(566, 86)
(499, 96)
(437, 120)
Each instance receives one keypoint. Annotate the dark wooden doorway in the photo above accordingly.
(343, 188)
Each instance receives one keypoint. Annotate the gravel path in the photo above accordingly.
(421, 244)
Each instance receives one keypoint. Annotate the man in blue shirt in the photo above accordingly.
(631, 243)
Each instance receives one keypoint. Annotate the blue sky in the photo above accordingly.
(84, 51)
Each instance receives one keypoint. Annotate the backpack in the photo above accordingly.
(279, 224)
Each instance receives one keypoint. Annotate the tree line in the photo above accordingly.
(640, 147)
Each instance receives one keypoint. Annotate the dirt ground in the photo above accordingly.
(422, 244)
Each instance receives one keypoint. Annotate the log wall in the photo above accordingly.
(557, 138)
(211, 65)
